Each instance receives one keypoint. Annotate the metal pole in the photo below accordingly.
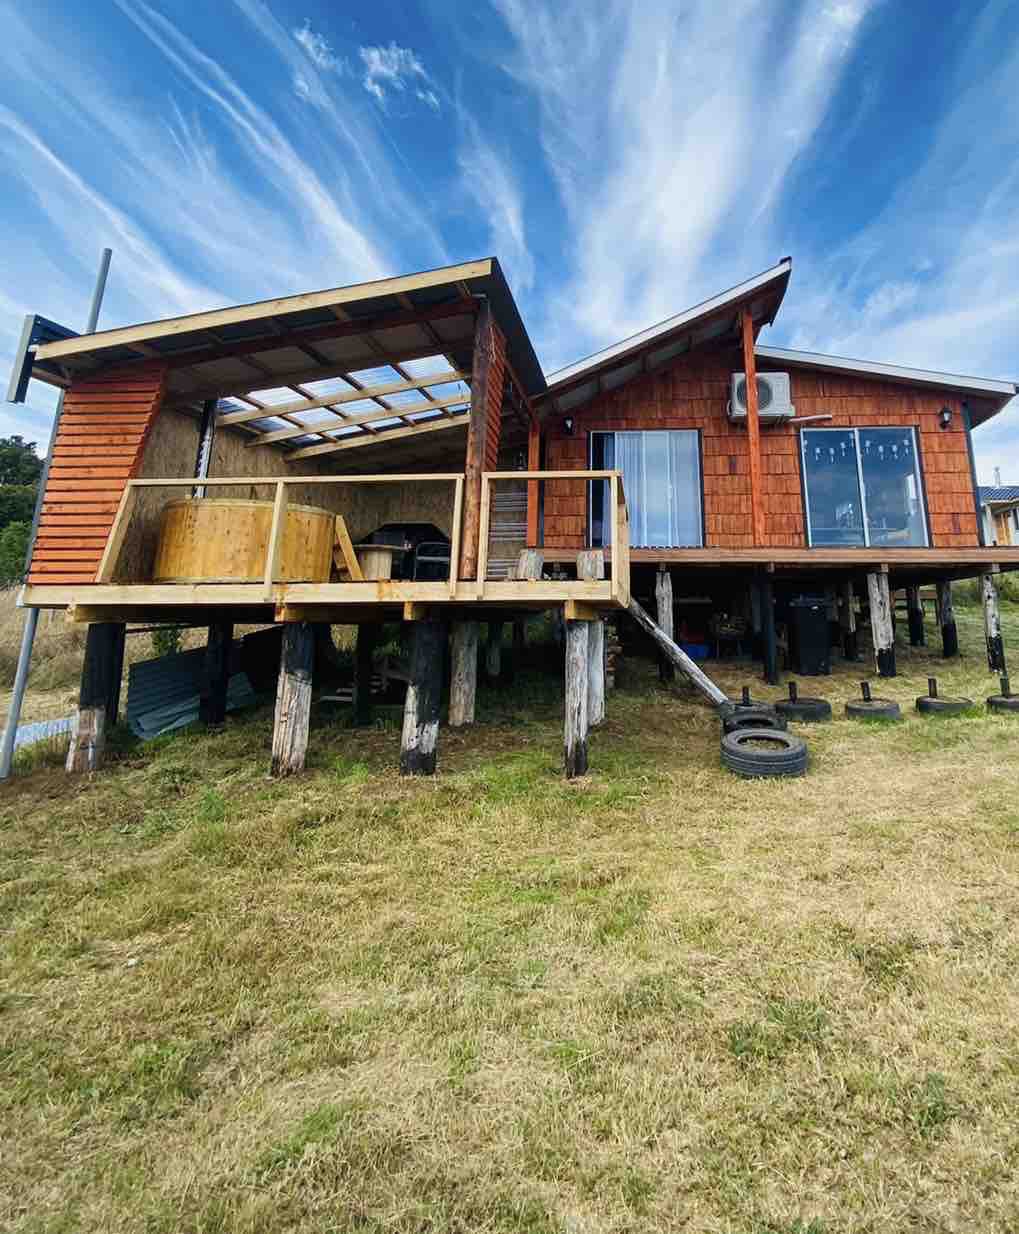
(206, 437)
(32, 617)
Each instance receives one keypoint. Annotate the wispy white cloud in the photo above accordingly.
(318, 48)
(489, 179)
(391, 68)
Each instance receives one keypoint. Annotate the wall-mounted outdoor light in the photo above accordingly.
(568, 426)
(946, 416)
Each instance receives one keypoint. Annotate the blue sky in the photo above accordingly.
(623, 160)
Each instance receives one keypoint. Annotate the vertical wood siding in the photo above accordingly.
(99, 446)
(692, 394)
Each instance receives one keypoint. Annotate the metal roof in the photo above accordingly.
(1002, 494)
(997, 393)
(709, 321)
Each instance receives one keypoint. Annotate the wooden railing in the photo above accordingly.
(619, 519)
(118, 532)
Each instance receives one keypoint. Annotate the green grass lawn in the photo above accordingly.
(657, 999)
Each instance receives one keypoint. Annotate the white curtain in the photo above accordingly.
(662, 481)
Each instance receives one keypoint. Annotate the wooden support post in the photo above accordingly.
(946, 619)
(577, 661)
(367, 634)
(596, 672)
(768, 632)
(663, 603)
(914, 614)
(533, 486)
(421, 710)
(116, 673)
(701, 681)
(753, 430)
(493, 652)
(293, 699)
(88, 737)
(847, 622)
(881, 623)
(463, 681)
(212, 701)
(992, 626)
(477, 436)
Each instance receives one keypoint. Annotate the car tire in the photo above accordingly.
(752, 717)
(873, 709)
(805, 710)
(939, 706)
(754, 753)
(1003, 703)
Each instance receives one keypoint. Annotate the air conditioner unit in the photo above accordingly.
(773, 397)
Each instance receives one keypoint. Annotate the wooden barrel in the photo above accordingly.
(211, 540)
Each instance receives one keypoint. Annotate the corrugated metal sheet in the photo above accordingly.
(164, 693)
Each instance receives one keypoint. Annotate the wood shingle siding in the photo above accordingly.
(98, 448)
(692, 394)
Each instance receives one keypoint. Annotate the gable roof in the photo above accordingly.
(710, 321)
(994, 394)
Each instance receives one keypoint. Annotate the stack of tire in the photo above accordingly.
(756, 743)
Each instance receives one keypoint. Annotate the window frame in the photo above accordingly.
(856, 430)
(592, 433)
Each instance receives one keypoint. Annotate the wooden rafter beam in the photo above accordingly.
(369, 418)
(413, 430)
(334, 400)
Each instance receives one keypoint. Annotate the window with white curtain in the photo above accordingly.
(662, 482)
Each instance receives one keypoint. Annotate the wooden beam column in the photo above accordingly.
(992, 626)
(293, 699)
(768, 632)
(881, 628)
(421, 710)
(847, 622)
(591, 566)
(493, 652)
(946, 619)
(212, 702)
(98, 687)
(463, 678)
(914, 616)
(363, 665)
(663, 604)
(533, 486)
(753, 431)
(487, 377)
(575, 734)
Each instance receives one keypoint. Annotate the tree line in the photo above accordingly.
(20, 469)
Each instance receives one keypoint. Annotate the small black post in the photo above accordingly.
(363, 656)
(212, 702)
(424, 692)
(768, 625)
(865, 690)
(914, 611)
(794, 691)
(932, 687)
(1006, 686)
(746, 696)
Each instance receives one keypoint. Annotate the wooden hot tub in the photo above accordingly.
(213, 540)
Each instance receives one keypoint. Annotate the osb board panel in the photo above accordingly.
(99, 446)
(171, 451)
(692, 394)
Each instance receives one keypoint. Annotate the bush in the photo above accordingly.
(13, 546)
(166, 641)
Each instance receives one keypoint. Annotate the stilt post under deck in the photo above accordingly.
(881, 627)
(98, 689)
(847, 622)
(212, 701)
(914, 613)
(420, 735)
(992, 626)
(493, 652)
(293, 699)
(367, 634)
(768, 631)
(946, 618)
(575, 735)
(663, 603)
(591, 566)
(463, 680)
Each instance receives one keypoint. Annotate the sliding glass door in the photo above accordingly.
(863, 487)
(662, 481)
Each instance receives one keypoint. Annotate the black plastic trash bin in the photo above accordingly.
(809, 644)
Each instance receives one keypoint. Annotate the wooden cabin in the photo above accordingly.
(265, 462)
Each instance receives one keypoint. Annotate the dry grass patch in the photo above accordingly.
(662, 999)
